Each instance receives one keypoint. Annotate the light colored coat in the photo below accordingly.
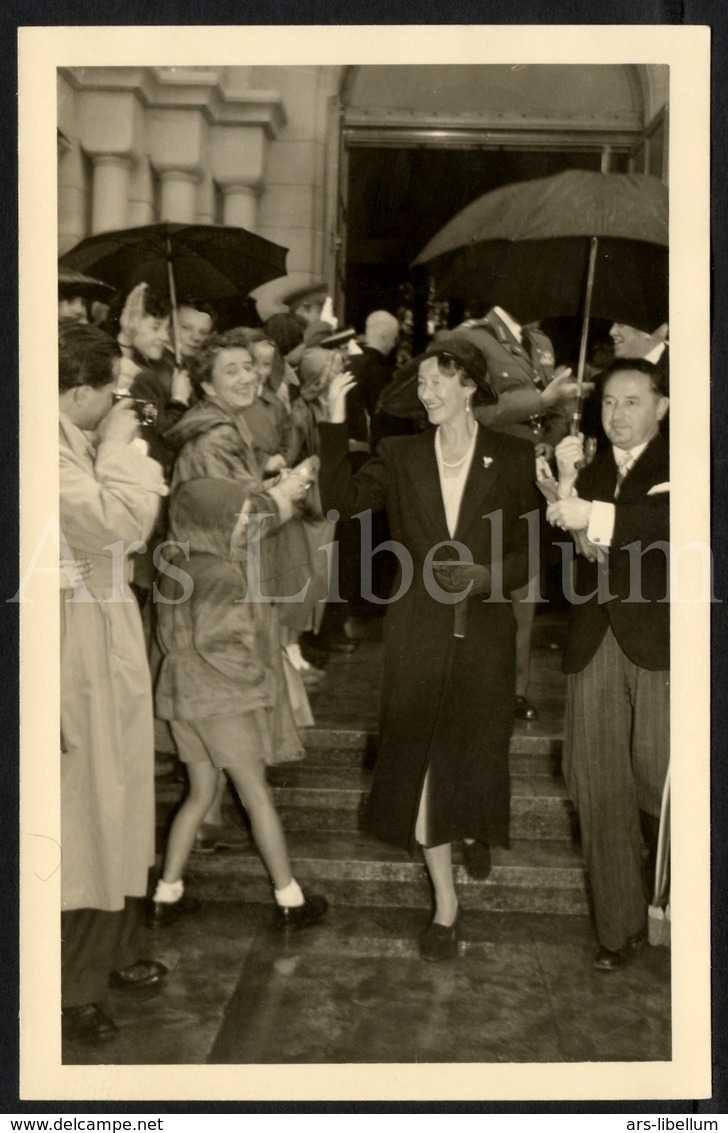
(107, 739)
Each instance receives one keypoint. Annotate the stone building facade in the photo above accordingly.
(290, 152)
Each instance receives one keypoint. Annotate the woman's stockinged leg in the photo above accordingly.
(213, 815)
(438, 860)
(203, 780)
(439, 866)
(257, 798)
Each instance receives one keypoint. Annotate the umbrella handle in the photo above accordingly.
(575, 425)
(173, 298)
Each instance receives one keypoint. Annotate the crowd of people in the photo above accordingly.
(205, 476)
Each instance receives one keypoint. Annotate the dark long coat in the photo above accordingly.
(447, 703)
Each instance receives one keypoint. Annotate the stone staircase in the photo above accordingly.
(320, 800)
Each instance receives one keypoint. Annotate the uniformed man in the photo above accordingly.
(533, 403)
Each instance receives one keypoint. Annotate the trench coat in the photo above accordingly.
(217, 444)
(221, 655)
(446, 703)
(107, 734)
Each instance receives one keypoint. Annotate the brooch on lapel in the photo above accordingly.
(487, 461)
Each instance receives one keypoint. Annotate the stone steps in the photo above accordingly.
(539, 806)
(354, 870)
(320, 800)
(531, 752)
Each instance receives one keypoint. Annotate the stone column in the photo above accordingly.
(240, 207)
(141, 195)
(178, 196)
(112, 176)
(205, 210)
(72, 199)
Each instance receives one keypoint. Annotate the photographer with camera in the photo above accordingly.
(110, 492)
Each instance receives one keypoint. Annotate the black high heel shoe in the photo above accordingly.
(440, 942)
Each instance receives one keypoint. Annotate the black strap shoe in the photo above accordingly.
(300, 916)
(162, 913)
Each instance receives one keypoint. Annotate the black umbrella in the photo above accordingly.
(578, 243)
(72, 283)
(195, 260)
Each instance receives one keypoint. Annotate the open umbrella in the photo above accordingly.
(579, 243)
(72, 283)
(200, 261)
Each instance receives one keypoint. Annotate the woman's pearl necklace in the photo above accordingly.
(463, 458)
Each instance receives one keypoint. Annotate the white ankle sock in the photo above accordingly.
(169, 892)
(291, 894)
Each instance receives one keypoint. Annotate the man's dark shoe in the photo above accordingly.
(299, 916)
(143, 976)
(608, 961)
(477, 860)
(165, 912)
(87, 1024)
(525, 710)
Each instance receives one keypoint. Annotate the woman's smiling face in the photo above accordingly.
(443, 395)
(151, 337)
(234, 381)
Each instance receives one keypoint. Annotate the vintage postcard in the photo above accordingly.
(352, 199)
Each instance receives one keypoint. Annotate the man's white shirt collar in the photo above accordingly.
(513, 326)
(620, 454)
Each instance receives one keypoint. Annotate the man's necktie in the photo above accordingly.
(622, 470)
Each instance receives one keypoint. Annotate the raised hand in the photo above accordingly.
(336, 397)
(563, 387)
(132, 314)
(275, 464)
(120, 423)
(181, 386)
(569, 453)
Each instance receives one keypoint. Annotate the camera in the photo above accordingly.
(146, 411)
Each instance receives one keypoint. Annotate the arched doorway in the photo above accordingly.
(419, 142)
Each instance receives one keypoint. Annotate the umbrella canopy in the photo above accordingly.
(208, 262)
(72, 283)
(526, 247)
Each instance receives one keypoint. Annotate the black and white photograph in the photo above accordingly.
(352, 581)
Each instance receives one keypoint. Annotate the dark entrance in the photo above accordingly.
(398, 197)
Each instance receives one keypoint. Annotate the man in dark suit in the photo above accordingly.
(373, 368)
(633, 342)
(617, 654)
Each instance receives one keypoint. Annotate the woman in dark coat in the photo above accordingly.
(461, 493)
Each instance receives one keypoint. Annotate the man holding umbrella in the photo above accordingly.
(617, 654)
